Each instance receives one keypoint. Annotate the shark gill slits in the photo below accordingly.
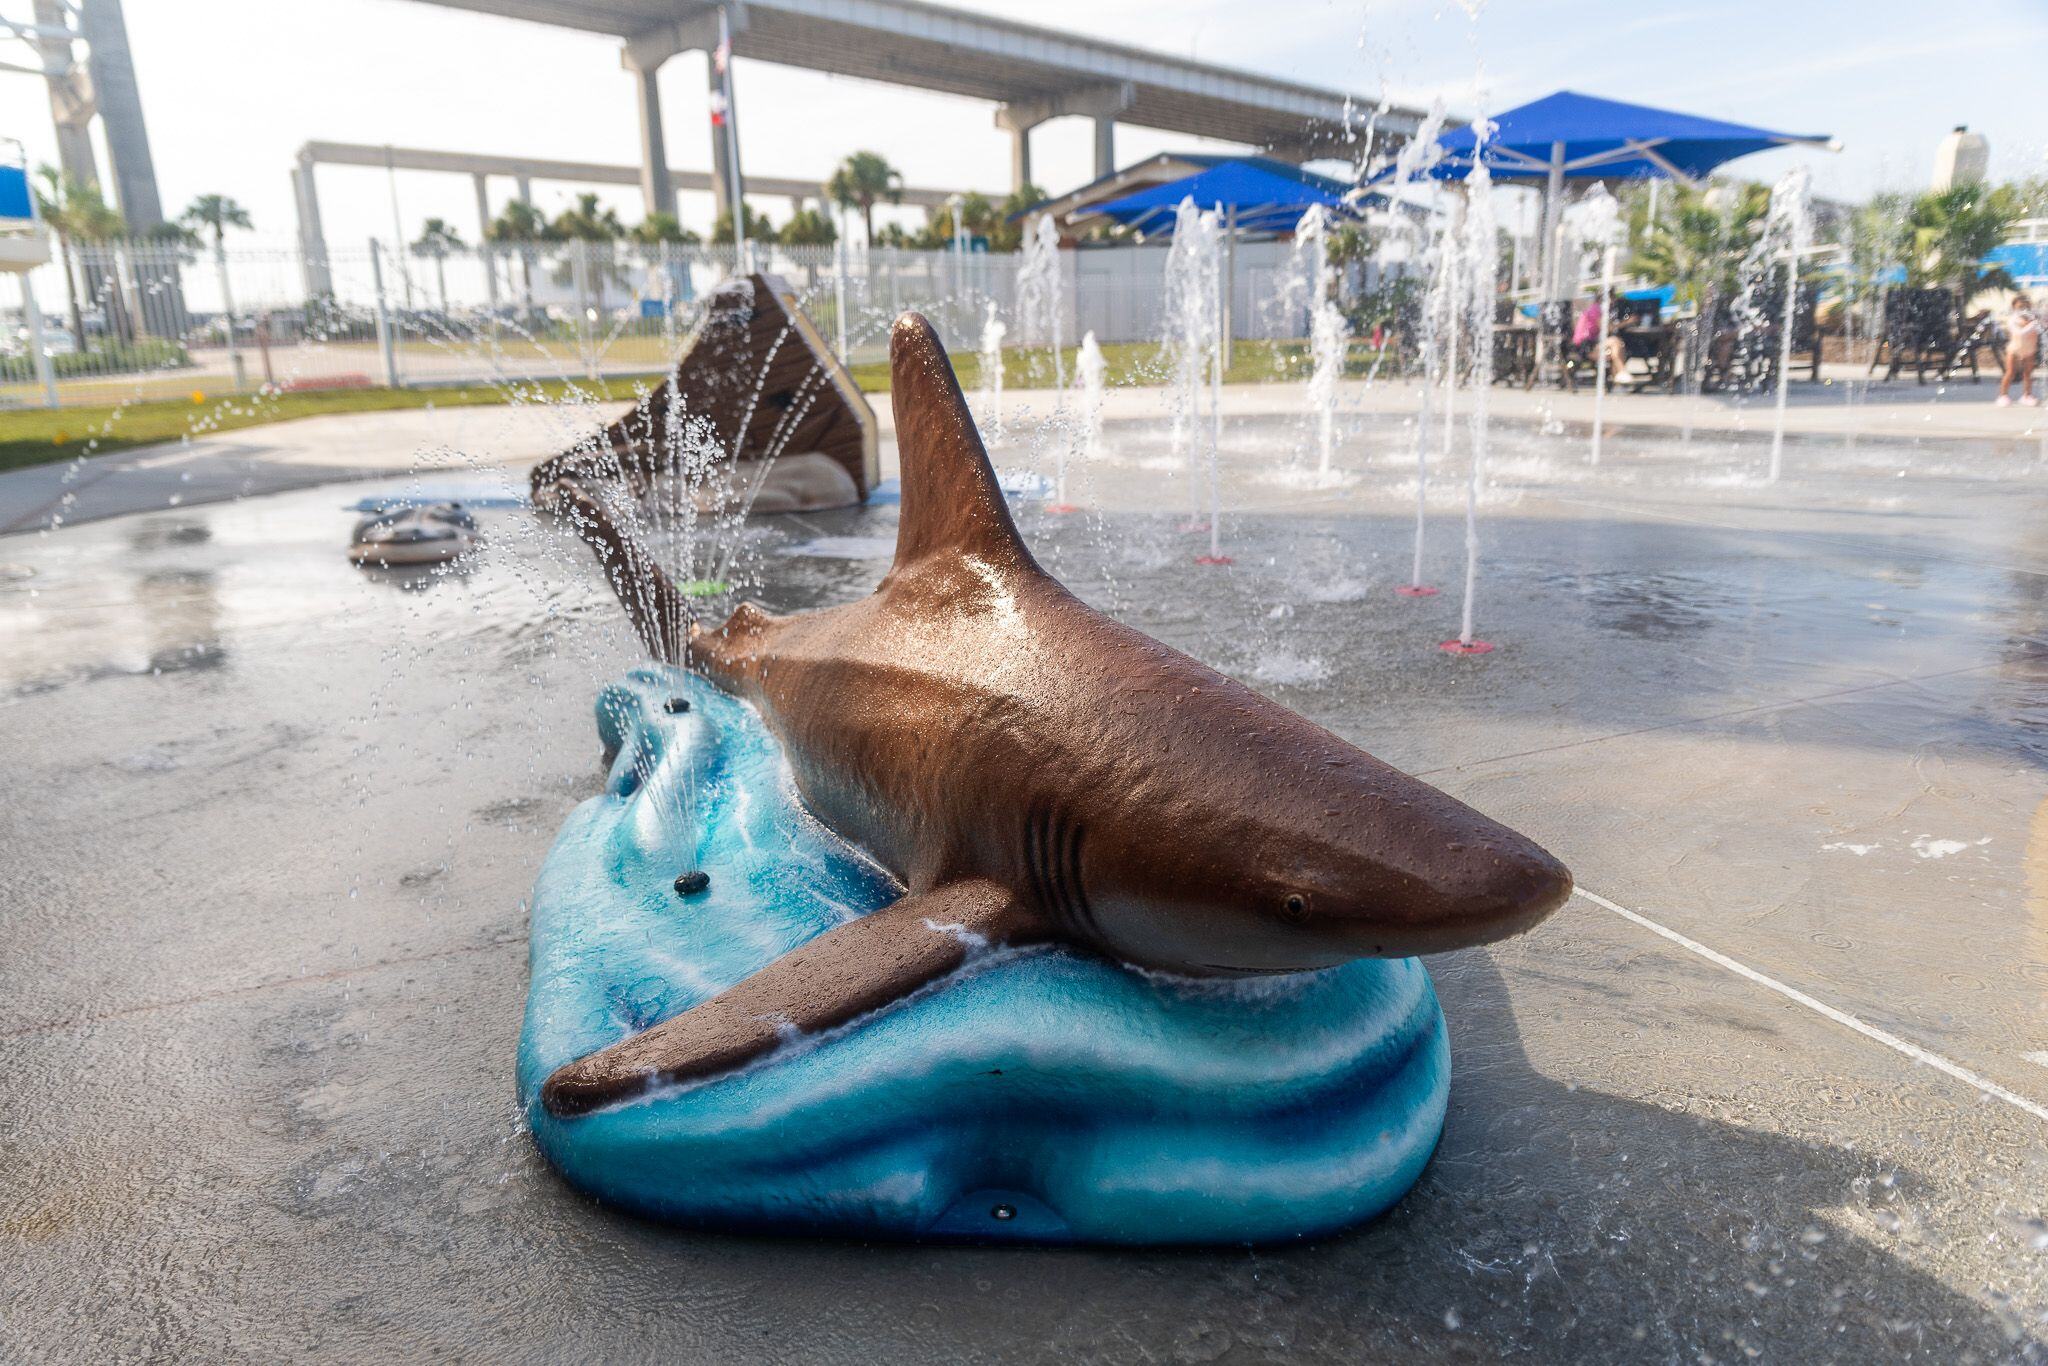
(1070, 877)
(692, 882)
(1034, 857)
(1052, 857)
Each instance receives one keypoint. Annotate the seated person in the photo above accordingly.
(1586, 335)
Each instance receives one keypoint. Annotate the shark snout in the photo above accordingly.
(1467, 887)
(1494, 887)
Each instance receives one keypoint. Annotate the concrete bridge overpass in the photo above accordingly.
(1031, 74)
(522, 171)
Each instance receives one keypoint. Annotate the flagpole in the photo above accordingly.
(735, 191)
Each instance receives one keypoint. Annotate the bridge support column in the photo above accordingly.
(71, 99)
(656, 190)
(643, 55)
(105, 32)
(314, 269)
(1020, 156)
(484, 254)
(1099, 102)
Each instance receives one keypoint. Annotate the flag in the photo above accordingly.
(718, 109)
(721, 55)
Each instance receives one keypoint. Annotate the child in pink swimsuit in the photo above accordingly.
(2022, 352)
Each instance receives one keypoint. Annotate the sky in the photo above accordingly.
(232, 88)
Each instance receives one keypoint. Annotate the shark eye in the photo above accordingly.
(1295, 907)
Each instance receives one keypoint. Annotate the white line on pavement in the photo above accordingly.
(1846, 1020)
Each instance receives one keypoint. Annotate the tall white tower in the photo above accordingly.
(1961, 159)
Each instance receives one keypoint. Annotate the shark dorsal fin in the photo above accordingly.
(951, 502)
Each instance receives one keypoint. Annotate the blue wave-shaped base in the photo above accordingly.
(1037, 1095)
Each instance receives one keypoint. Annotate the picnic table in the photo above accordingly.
(1517, 356)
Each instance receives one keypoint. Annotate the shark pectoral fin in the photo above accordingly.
(841, 975)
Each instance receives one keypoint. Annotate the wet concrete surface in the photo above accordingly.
(270, 821)
(212, 467)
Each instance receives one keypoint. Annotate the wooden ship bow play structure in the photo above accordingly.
(759, 416)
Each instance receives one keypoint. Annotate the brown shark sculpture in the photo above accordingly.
(1032, 770)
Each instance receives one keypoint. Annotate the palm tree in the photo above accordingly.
(1007, 231)
(1946, 235)
(759, 229)
(663, 229)
(862, 181)
(977, 219)
(977, 214)
(1698, 243)
(76, 213)
(519, 224)
(518, 221)
(173, 236)
(1870, 248)
(215, 213)
(596, 229)
(587, 221)
(809, 228)
(659, 232)
(1697, 246)
(436, 240)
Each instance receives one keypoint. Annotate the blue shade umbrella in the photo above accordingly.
(1569, 135)
(1581, 137)
(1255, 194)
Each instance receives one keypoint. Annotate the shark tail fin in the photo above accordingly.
(951, 502)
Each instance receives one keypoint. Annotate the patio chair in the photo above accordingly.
(1653, 362)
(1714, 336)
(1921, 328)
(1514, 346)
(1760, 319)
(1978, 332)
(1555, 356)
(1514, 355)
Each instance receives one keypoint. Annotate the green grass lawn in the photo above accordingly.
(35, 436)
(1130, 364)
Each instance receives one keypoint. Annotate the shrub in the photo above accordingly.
(107, 358)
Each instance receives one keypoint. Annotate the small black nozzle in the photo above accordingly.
(676, 706)
(692, 882)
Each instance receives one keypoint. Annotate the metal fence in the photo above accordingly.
(126, 321)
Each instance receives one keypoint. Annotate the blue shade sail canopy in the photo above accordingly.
(2026, 262)
(1588, 138)
(15, 199)
(1269, 196)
